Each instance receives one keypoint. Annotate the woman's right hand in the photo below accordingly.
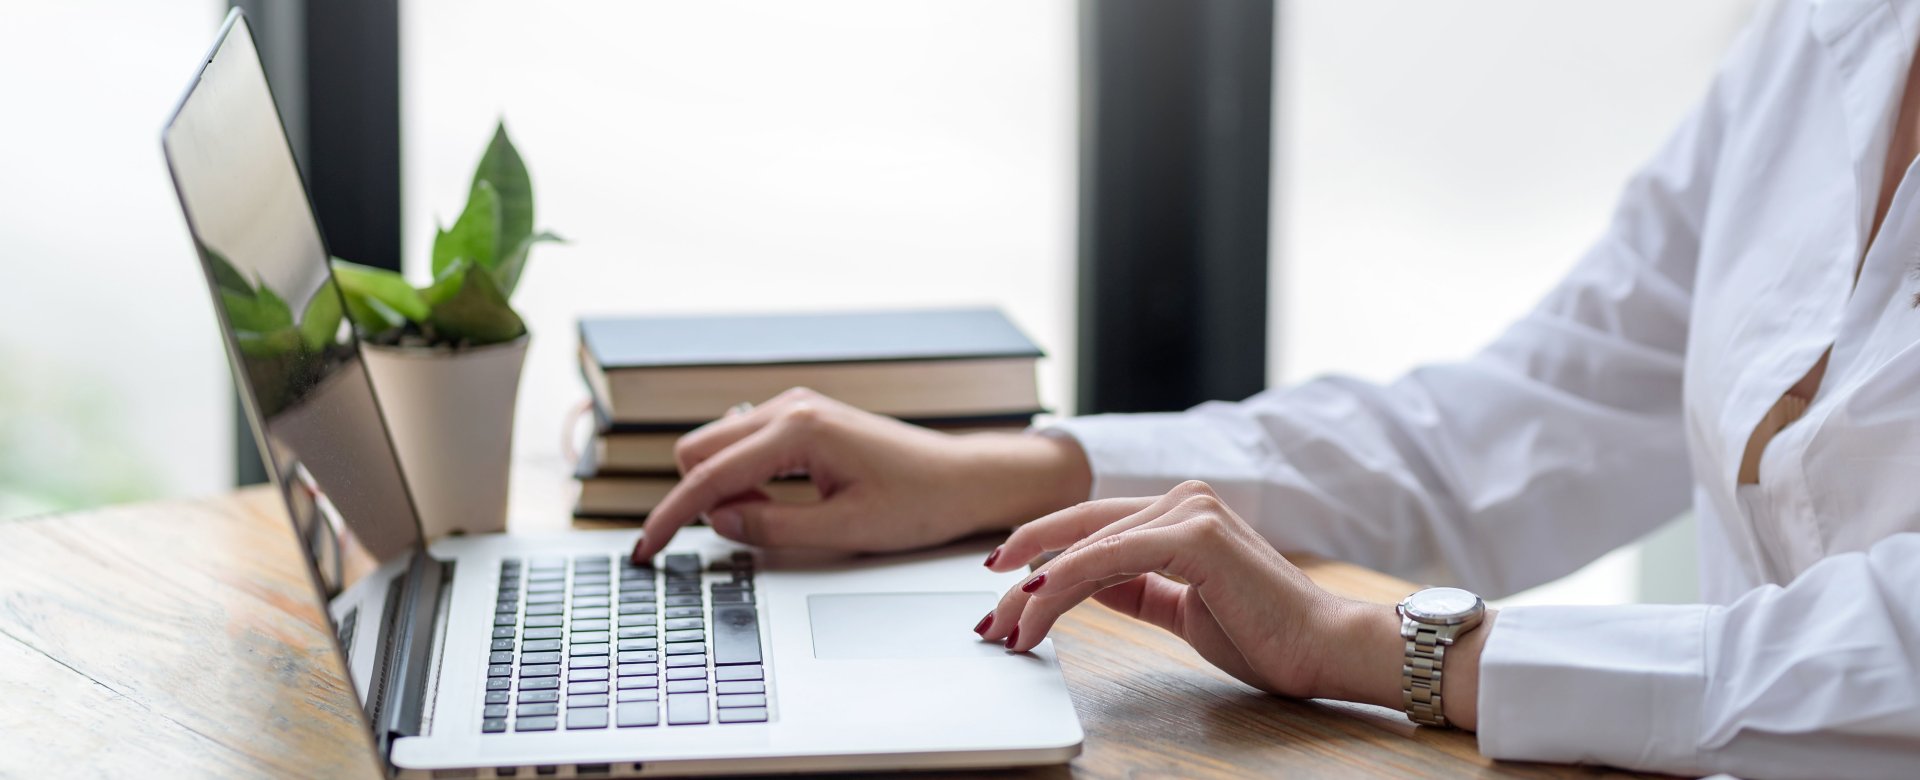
(884, 485)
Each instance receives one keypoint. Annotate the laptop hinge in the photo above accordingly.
(402, 673)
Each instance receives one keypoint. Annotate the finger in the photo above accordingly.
(1037, 616)
(1061, 529)
(1139, 551)
(701, 443)
(1149, 598)
(767, 523)
(751, 462)
(1006, 614)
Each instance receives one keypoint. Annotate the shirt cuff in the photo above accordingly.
(1617, 685)
(1149, 454)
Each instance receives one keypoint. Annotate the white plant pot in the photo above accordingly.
(451, 414)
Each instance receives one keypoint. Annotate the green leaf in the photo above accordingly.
(225, 276)
(447, 282)
(474, 235)
(284, 341)
(263, 312)
(377, 299)
(509, 270)
(476, 312)
(502, 168)
(321, 322)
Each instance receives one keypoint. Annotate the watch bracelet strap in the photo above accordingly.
(1420, 677)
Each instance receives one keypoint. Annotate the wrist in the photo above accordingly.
(1023, 476)
(1365, 659)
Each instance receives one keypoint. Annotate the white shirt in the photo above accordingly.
(1728, 269)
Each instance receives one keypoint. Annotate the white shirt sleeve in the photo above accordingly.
(1560, 441)
(1819, 679)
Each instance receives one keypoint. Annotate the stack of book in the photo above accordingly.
(655, 378)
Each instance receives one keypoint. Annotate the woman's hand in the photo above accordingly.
(1186, 563)
(885, 485)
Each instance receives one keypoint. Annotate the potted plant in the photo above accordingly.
(446, 358)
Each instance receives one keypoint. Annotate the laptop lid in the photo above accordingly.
(296, 362)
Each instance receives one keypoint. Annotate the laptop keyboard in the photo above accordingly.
(596, 642)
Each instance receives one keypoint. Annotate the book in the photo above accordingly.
(678, 371)
(649, 452)
(631, 497)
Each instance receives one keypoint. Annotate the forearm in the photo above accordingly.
(1023, 476)
(1365, 657)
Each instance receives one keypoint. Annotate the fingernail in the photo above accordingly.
(726, 522)
(1013, 638)
(991, 557)
(985, 623)
(1035, 583)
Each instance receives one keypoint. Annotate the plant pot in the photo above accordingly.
(451, 414)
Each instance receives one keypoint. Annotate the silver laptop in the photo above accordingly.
(508, 655)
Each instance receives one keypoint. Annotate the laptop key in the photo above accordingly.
(494, 711)
(540, 684)
(639, 644)
(596, 700)
(595, 718)
(681, 661)
(685, 623)
(687, 673)
(740, 700)
(687, 635)
(736, 635)
(543, 621)
(637, 713)
(540, 645)
(540, 670)
(498, 697)
(500, 621)
(684, 601)
(536, 658)
(633, 683)
(504, 632)
(531, 710)
(599, 602)
(544, 723)
(503, 644)
(646, 695)
(739, 686)
(550, 597)
(578, 649)
(538, 697)
(499, 684)
(686, 648)
(729, 673)
(684, 686)
(683, 612)
(683, 564)
(637, 632)
(586, 688)
(639, 657)
(493, 725)
(638, 608)
(553, 608)
(638, 670)
(500, 670)
(590, 662)
(744, 715)
(637, 621)
(590, 625)
(685, 709)
(543, 633)
(589, 637)
(500, 657)
(586, 675)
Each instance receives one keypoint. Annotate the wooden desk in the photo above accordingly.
(181, 639)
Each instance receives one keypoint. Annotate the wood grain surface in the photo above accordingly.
(182, 639)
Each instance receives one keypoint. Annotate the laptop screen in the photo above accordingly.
(294, 355)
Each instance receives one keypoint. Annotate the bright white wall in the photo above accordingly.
(1440, 165)
(735, 155)
(113, 385)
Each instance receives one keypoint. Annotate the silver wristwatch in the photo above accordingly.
(1430, 620)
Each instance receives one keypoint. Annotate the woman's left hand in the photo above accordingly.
(1186, 563)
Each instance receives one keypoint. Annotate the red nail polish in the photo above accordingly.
(985, 623)
(992, 556)
(1013, 638)
(1035, 583)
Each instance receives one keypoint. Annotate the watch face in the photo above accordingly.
(1442, 605)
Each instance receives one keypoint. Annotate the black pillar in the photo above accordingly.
(1175, 138)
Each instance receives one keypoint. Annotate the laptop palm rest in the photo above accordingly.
(899, 625)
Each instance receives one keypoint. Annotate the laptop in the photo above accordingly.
(503, 655)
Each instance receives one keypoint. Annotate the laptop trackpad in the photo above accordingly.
(899, 625)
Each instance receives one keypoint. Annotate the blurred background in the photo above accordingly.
(1272, 190)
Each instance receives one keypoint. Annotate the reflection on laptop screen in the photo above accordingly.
(300, 366)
